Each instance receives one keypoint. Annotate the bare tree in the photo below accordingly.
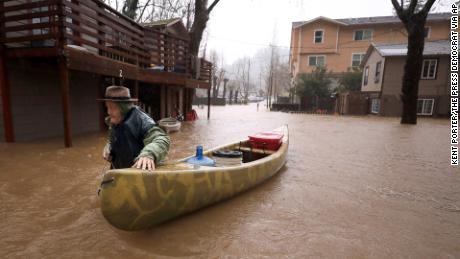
(413, 14)
(151, 10)
(218, 72)
(130, 8)
(201, 18)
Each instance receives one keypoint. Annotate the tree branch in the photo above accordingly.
(427, 6)
(397, 6)
(212, 6)
(412, 5)
(143, 10)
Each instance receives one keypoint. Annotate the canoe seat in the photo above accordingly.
(257, 150)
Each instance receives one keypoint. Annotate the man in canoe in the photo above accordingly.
(134, 138)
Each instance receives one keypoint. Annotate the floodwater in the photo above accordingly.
(353, 187)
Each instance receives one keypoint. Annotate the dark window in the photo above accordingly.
(427, 32)
(317, 61)
(363, 35)
(378, 68)
(429, 68)
(366, 75)
(319, 36)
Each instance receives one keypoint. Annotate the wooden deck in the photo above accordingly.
(91, 32)
(90, 36)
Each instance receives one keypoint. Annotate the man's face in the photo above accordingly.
(114, 112)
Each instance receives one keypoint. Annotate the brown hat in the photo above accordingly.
(117, 93)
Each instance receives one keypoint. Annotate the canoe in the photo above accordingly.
(133, 199)
(169, 124)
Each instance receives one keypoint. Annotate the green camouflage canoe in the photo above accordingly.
(133, 199)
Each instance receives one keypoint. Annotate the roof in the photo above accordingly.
(431, 48)
(166, 22)
(372, 20)
(299, 24)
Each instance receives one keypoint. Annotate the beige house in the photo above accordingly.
(342, 43)
(383, 69)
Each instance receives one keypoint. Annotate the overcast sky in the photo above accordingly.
(238, 28)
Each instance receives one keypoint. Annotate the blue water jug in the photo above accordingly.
(199, 159)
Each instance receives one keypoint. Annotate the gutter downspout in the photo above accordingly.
(337, 40)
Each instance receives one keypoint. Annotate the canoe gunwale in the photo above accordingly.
(283, 148)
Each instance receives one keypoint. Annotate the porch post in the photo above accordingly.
(209, 102)
(162, 101)
(65, 97)
(5, 86)
(101, 110)
(6, 102)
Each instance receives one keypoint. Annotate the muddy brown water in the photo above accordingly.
(353, 187)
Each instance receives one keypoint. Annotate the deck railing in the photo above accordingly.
(93, 26)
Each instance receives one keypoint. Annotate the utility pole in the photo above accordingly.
(270, 80)
(247, 86)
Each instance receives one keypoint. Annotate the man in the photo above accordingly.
(135, 139)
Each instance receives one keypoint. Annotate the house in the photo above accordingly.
(57, 57)
(383, 70)
(340, 44)
(174, 26)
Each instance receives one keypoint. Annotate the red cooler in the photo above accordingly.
(266, 140)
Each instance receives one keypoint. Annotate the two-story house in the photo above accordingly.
(340, 44)
(383, 70)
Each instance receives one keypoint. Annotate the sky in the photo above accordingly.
(239, 28)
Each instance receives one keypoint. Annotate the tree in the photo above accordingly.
(200, 20)
(130, 8)
(315, 84)
(165, 9)
(218, 72)
(413, 15)
(351, 80)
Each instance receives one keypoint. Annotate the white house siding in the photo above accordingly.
(372, 63)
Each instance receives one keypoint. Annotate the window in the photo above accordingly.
(427, 31)
(363, 35)
(356, 59)
(317, 61)
(425, 106)
(366, 75)
(378, 68)
(429, 68)
(375, 105)
(318, 36)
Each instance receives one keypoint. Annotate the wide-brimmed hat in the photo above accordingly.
(117, 93)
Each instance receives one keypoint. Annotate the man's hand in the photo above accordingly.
(106, 153)
(145, 163)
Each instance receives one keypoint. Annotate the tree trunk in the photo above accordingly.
(412, 71)
(414, 21)
(214, 87)
(225, 88)
(130, 8)
(199, 24)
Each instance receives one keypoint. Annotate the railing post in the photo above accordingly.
(101, 33)
(76, 23)
(60, 41)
